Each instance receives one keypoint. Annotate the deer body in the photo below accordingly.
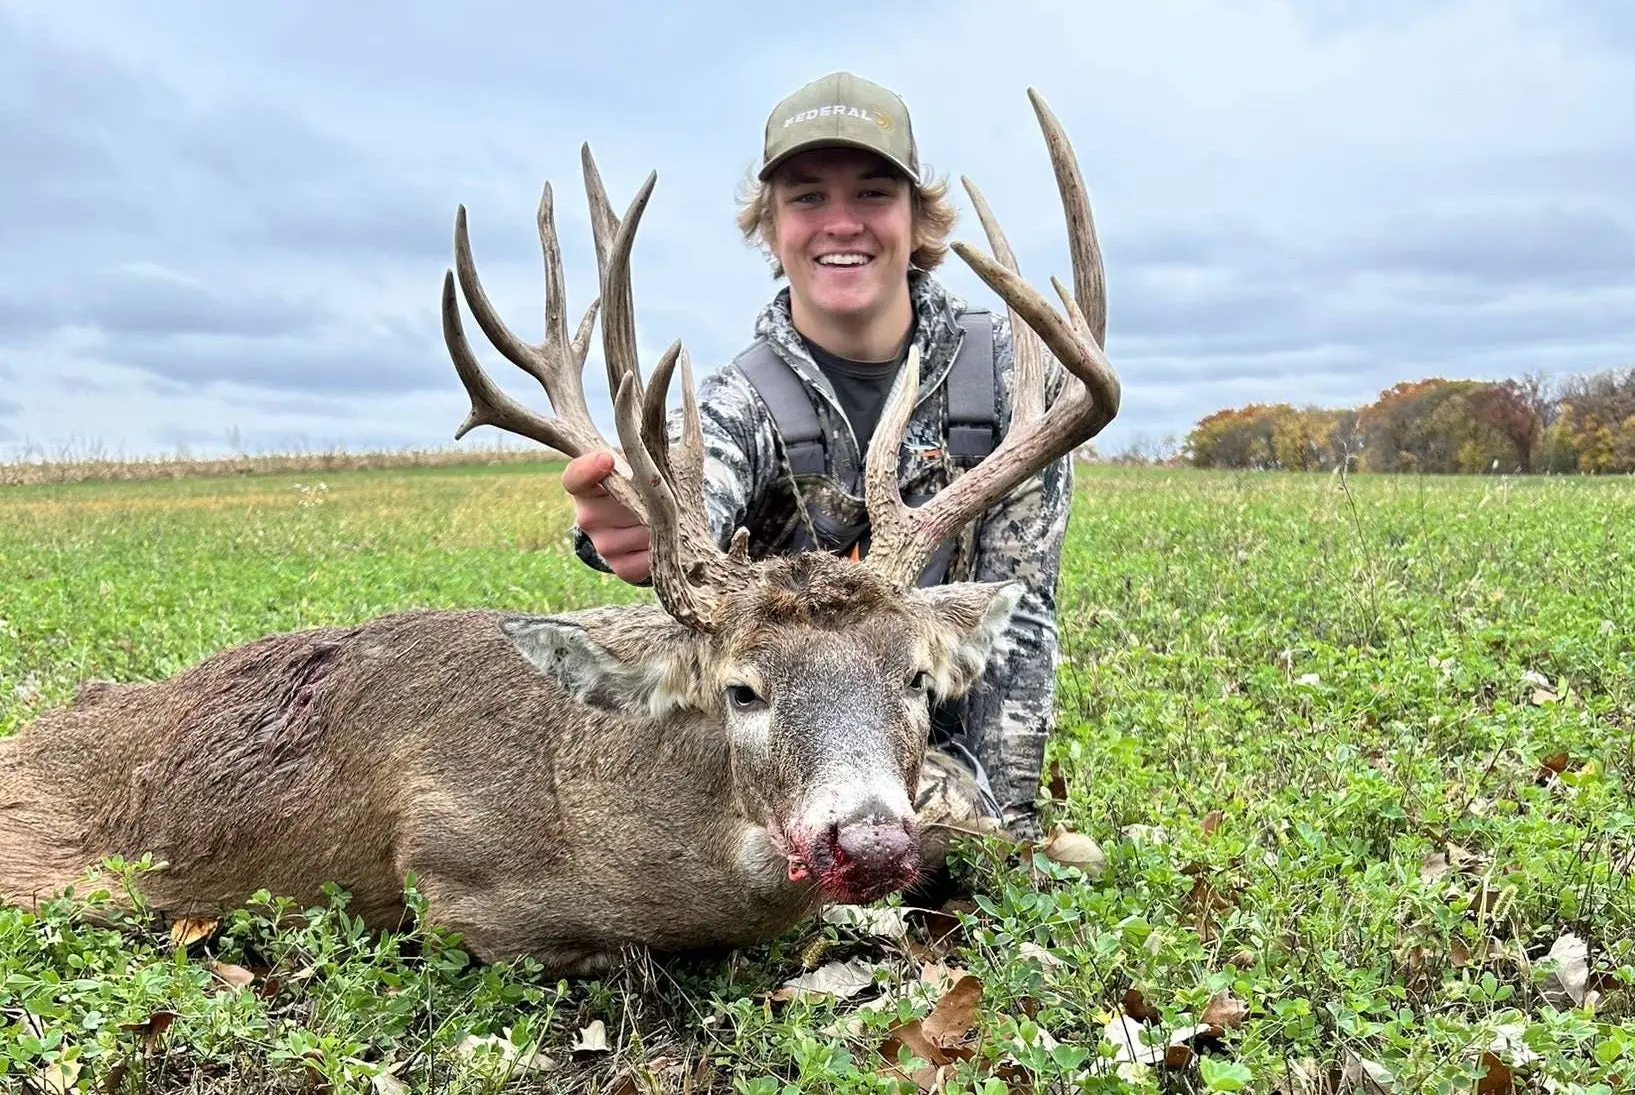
(422, 742)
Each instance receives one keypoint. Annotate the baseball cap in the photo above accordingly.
(841, 110)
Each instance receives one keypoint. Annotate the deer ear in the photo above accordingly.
(970, 620)
(633, 659)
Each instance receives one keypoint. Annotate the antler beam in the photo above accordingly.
(904, 538)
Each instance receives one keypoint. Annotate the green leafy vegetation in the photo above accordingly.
(1354, 759)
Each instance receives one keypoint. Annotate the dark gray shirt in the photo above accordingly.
(862, 386)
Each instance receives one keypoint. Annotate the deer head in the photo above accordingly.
(820, 672)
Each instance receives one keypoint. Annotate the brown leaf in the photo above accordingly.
(954, 1017)
(186, 932)
(1557, 762)
(234, 977)
(1570, 980)
(1058, 783)
(1212, 821)
(941, 928)
(151, 1030)
(1136, 1007)
(1435, 866)
(1224, 1012)
(1498, 1080)
(1074, 850)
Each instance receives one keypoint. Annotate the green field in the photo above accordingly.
(1359, 754)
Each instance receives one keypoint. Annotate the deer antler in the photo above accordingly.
(903, 538)
(690, 571)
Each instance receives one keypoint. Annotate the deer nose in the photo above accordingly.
(872, 852)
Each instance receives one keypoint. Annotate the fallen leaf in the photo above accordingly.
(1571, 978)
(152, 1029)
(1212, 821)
(385, 1083)
(234, 977)
(1436, 865)
(1135, 1005)
(1543, 696)
(841, 980)
(886, 922)
(1497, 1080)
(1074, 850)
(1369, 1076)
(1127, 1036)
(494, 1048)
(1034, 951)
(1224, 1012)
(955, 1014)
(1058, 783)
(592, 1038)
(186, 932)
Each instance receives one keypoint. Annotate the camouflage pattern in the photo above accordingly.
(748, 482)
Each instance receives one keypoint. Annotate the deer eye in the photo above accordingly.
(920, 682)
(743, 696)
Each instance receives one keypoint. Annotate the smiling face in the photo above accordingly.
(843, 231)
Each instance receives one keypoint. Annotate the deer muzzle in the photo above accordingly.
(866, 855)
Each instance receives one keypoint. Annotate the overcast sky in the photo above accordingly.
(226, 224)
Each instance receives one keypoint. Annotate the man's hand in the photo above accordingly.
(617, 534)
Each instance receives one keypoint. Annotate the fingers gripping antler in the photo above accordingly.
(662, 487)
(903, 538)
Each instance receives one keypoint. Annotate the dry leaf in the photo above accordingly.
(1135, 1005)
(1126, 1034)
(887, 922)
(1212, 821)
(1224, 1012)
(186, 932)
(1571, 979)
(1368, 1076)
(1032, 950)
(955, 1014)
(1058, 783)
(501, 1050)
(1074, 850)
(592, 1039)
(1435, 866)
(1497, 1080)
(151, 1030)
(234, 977)
(841, 980)
(385, 1083)
(1543, 696)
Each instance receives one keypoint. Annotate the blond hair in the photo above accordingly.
(933, 215)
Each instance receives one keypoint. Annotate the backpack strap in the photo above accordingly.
(792, 412)
(973, 428)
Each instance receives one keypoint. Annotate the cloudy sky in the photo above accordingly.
(226, 224)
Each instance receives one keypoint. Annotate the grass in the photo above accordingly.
(1358, 753)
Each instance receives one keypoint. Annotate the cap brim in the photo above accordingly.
(834, 142)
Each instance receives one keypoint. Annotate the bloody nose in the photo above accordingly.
(872, 853)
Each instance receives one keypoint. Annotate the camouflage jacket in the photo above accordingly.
(747, 482)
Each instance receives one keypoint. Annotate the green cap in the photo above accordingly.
(846, 111)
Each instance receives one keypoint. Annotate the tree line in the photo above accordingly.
(1580, 425)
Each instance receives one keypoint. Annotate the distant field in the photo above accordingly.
(1360, 754)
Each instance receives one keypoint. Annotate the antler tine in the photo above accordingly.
(1026, 351)
(689, 569)
(904, 538)
(557, 363)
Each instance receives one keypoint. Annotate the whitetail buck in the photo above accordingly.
(696, 773)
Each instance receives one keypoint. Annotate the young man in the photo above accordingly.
(842, 209)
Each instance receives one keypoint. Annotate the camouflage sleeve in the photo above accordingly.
(738, 455)
(1010, 717)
